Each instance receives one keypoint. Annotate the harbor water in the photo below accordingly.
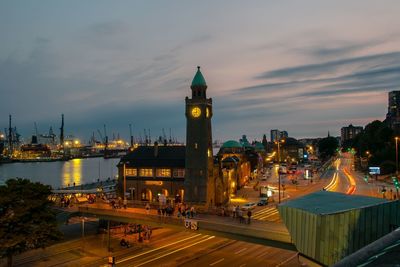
(62, 173)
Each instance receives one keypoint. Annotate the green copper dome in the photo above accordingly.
(231, 144)
(198, 79)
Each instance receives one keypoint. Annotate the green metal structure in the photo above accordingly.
(327, 226)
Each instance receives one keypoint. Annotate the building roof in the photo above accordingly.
(145, 156)
(325, 202)
(231, 144)
(198, 79)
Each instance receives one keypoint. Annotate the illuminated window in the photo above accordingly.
(130, 172)
(146, 172)
(163, 172)
(179, 173)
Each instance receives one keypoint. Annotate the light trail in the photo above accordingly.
(333, 182)
(174, 251)
(218, 261)
(147, 252)
(352, 187)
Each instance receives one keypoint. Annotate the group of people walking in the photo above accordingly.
(237, 213)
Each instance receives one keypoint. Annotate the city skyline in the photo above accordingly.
(308, 67)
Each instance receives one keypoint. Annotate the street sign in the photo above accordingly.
(374, 170)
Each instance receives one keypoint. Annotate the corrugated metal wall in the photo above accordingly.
(327, 238)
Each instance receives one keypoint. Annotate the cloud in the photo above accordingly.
(331, 67)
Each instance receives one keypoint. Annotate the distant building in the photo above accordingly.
(284, 134)
(349, 132)
(275, 135)
(278, 135)
(393, 115)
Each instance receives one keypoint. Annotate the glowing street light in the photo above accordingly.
(279, 174)
(397, 156)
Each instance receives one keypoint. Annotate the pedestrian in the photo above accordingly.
(125, 203)
(237, 209)
(163, 211)
(248, 216)
(192, 212)
(234, 212)
(240, 215)
(148, 208)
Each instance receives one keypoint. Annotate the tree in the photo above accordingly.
(327, 147)
(26, 220)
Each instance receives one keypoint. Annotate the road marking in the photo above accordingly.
(265, 213)
(243, 249)
(244, 264)
(146, 252)
(218, 261)
(176, 250)
(287, 260)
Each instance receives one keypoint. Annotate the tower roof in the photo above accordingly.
(198, 79)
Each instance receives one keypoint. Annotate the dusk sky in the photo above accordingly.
(307, 67)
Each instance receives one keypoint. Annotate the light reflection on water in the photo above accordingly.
(61, 173)
(72, 172)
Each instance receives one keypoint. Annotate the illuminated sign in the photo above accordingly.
(153, 183)
(374, 170)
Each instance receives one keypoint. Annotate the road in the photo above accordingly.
(345, 179)
(187, 248)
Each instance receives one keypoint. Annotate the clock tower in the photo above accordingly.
(199, 155)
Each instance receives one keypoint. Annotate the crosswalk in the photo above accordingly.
(267, 214)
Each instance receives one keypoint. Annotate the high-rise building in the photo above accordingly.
(278, 135)
(199, 155)
(393, 115)
(275, 135)
(349, 132)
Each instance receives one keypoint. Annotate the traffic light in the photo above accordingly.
(396, 182)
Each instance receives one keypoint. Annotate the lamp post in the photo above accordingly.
(279, 173)
(124, 182)
(397, 156)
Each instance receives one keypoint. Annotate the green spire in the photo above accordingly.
(198, 79)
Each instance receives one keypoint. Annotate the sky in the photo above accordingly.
(307, 67)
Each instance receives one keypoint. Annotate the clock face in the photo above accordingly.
(196, 112)
(207, 112)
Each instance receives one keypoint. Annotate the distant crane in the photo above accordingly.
(130, 132)
(101, 136)
(62, 131)
(106, 137)
(145, 137)
(10, 139)
(164, 137)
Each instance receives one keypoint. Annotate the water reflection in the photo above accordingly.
(61, 173)
(72, 172)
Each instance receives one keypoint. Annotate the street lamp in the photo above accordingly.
(279, 173)
(368, 155)
(397, 156)
(124, 182)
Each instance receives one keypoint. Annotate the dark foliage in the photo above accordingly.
(327, 147)
(26, 220)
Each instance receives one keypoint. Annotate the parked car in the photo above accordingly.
(248, 206)
(262, 202)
